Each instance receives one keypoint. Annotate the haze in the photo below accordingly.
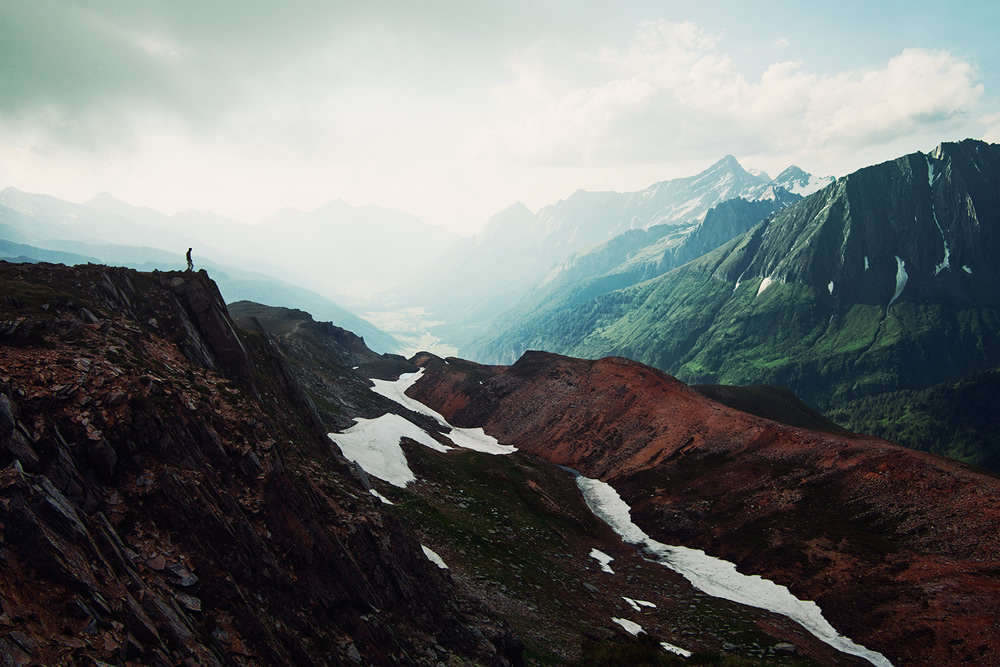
(453, 110)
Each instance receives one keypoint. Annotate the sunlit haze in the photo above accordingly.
(451, 111)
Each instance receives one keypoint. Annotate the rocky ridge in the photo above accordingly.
(168, 495)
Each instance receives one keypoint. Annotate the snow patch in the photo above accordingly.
(764, 284)
(866, 262)
(638, 604)
(830, 287)
(901, 278)
(434, 558)
(670, 648)
(966, 269)
(603, 559)
(813, 184)
(947, 253)
(469, 438)
(380, 496)
(630, 627)
(946, 262)
(715, 576)
(374, 445)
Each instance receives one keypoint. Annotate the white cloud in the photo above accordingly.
(674, 91)
(992, 123)
(449, 114)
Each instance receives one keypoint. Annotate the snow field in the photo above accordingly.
(603, 559)
(469, 438)
(434, 558)
(374, 445)
(630, 627)
(717, 577)
(638, 604)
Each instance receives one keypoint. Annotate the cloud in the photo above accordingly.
(448, 109)
(781, 43)
(673, 92)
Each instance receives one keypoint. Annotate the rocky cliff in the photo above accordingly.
(899, 548)
(168, 494)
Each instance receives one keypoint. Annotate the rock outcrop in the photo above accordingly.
(168, 495)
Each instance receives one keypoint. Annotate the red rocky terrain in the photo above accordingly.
(168, 495)
(901, 549)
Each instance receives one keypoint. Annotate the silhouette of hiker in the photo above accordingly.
(190, 263)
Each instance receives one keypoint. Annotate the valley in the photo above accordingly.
(499, 334)
(868, 552)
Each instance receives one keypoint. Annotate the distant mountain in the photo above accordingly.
(885, 281)
(627, 259)
(801, 183)
(481, 277)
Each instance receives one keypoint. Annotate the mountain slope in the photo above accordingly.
(883, 281)
(479, 278)
(625, 260)
(167, 494)
(899, 548)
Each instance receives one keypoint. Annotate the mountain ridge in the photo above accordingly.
(856, 523)
(883, 281)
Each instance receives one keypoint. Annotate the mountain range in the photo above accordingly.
(168, 490)
(480, 277)
(190, 475)
(874, 288)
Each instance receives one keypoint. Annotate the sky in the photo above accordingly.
(452, 111)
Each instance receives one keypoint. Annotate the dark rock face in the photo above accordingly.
(331, 364)
(899, 548)
(167, 494)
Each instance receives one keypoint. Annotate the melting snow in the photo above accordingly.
(374, 445)
(469, 438)
(715, 576)
(380, 496)
(603, 559)
(638, 604)
(813, 184)
(675, 649)
(434, 558)
(966, 269)
(764, 284)
(947, 253)
(900, 280)
(630, 627)
(946, 262)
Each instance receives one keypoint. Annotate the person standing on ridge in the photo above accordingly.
(190, 263)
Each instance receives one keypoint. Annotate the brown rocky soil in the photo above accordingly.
(168, 495)
(901, 549)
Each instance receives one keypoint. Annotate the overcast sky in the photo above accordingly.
(454, 110)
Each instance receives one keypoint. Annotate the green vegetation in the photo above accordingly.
(517, 529)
